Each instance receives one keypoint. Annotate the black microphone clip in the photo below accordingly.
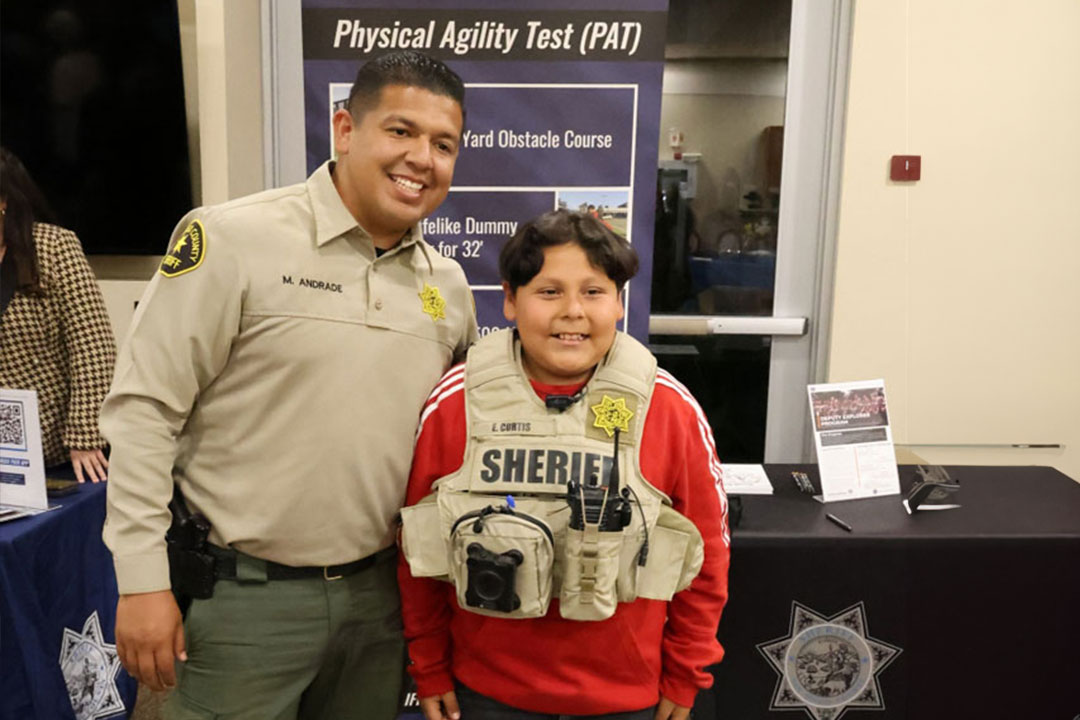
(561, 402)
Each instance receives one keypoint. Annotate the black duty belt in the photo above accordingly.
(225, 567)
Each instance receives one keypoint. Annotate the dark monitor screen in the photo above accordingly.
(92, 102)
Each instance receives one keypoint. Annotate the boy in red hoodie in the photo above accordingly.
(526, 433)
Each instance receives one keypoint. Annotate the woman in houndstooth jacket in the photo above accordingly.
(55, 335)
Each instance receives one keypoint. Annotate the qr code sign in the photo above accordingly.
(12, 425)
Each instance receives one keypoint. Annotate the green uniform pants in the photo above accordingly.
(289, 649)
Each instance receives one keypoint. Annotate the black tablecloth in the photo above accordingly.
(965, 613)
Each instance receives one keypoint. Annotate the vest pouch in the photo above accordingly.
(422, 541)
(676, 552)
(501, 563)
(589, 570)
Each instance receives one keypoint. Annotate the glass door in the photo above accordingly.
(745, 200)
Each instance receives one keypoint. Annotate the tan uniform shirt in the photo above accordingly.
(277, 376)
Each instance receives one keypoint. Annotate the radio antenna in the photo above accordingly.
(613, 478)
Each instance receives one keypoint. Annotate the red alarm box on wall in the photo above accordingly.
(905, 168)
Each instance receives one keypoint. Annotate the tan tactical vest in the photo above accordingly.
(510, 561)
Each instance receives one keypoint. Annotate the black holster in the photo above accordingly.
(191, 566)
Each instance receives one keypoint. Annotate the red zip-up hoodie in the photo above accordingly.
(551, 665)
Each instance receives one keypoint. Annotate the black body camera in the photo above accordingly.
(491, 578)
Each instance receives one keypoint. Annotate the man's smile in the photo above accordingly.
(408, 184)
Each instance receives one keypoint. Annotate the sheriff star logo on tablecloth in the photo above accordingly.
(433, 302)
(90, 665)
(828, 665)
(611, 414)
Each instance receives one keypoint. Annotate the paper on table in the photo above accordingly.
(853, 439)
(926, 506)
(22, 465)
(746, 480)
(14, 512)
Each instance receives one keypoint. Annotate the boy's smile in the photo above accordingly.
(565, 316)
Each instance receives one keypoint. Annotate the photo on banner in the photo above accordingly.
(562, 111)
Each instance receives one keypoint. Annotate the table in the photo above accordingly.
(965, 613)
(58, 613)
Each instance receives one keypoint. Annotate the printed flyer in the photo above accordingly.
(856, 457)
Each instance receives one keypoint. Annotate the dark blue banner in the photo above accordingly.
(563, 109)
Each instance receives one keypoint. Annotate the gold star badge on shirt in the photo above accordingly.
(433, 303)
(611, 414)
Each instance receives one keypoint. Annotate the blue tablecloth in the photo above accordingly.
(58, 614)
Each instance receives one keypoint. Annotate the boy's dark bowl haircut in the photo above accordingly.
(522, 258)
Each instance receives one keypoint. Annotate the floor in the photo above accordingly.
(148, 704)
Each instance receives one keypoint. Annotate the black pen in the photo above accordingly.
(837, 521)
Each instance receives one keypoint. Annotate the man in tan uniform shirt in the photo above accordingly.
(275, 372)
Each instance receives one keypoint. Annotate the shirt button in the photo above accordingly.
(378, 304)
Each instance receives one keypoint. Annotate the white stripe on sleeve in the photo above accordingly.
(705, 432)
(433, 404)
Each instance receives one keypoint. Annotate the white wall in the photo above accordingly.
(120, 299)
(961, 289)
(229, 46)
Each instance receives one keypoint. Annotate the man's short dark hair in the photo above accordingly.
(521, 258)
(403, 67)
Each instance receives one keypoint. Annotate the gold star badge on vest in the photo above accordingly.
(187, 252)
(611, 414)
(433, 303)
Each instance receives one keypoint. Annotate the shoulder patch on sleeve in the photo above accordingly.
(187, 253)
